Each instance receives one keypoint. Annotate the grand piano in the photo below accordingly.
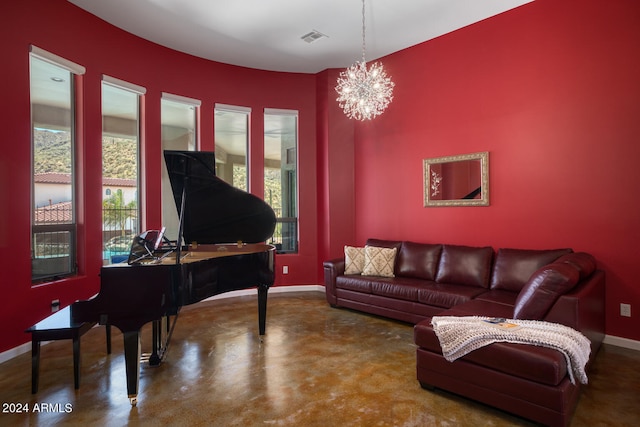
(219, 249)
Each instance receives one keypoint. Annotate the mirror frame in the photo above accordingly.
(484, 180)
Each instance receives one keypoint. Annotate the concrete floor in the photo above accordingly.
(316, 366)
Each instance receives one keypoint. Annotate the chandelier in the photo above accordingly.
(364, 93)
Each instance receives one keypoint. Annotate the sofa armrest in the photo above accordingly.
(582, 308)
(332, 269)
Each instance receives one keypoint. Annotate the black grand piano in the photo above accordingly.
(222, 228)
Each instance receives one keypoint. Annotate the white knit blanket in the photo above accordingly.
(461, 335)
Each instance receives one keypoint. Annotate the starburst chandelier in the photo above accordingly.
(364, 94)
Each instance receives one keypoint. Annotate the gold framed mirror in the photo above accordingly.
(461, 180)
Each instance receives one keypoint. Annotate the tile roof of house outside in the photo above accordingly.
(65, 178)
(119, 182)
(52, 178)
(57, 213)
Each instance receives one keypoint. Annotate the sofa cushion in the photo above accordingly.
(584, 262)
(354, 283)
(477, 307)
(499, 296)
(418, 260)
(513, 267)
(465, 265)
(446, 296)
(399, 288)
(353, 260)
(379, 261)
(543, 289)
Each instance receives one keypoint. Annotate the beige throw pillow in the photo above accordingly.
(379, 261)
(353, 260)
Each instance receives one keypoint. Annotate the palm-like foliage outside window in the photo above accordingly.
(117, 213)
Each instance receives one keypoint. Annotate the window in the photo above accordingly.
(120, 166)
(281, 175)
(231, 126)
(53, 222)
(179, 123)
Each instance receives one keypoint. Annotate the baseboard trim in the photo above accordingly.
(15, 352)
(272, 290)
(26, 347)
(622, 342)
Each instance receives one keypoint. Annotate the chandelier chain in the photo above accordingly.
(364, 93)
(363, 34)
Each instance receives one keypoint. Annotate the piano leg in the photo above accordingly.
(262, 307)
(132, 364)
(161, 332)
(154, 359)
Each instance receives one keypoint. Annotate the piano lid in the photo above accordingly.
(214, 211)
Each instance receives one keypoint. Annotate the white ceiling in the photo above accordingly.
(266, 34)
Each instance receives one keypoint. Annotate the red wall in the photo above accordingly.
(552, 91)
(65, 30)
(336, 180)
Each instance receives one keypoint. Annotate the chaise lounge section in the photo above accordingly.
(426, 280)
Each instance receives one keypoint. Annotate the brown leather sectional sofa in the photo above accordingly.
(559, 286)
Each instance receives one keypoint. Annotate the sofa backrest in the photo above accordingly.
(419, 260)
(513, 267)
(465, 265)
(584, 262)
(548, 283)
(543, 289)
(453, 264)
(475, 266)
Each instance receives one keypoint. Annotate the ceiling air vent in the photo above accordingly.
(313, 36)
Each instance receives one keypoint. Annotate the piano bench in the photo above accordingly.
(59, 326)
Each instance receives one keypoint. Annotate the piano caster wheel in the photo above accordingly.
(133, 400)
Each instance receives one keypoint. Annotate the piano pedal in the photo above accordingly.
(153, 360)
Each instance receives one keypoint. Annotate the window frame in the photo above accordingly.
(74, 70)
(169, 216)
(281, 221)
(139, 92)
(219, 151)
